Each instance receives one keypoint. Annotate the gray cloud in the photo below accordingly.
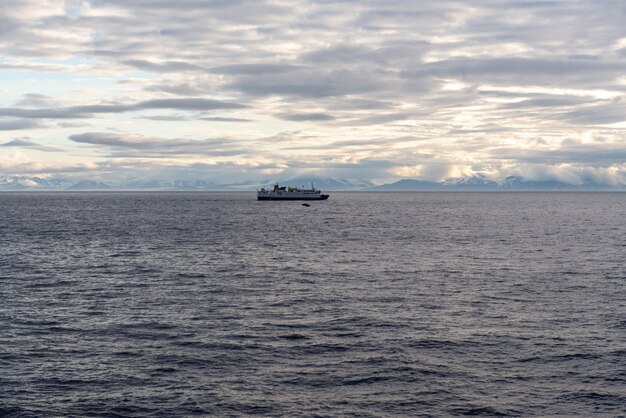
(35, 100)
(606, 113)
(180, 118)
(18, 124)
(71, 125)
(304, 117)
(18, 143)
(344, 53)
(380, 119)
(395, 53)
(166, 118)
(224, 119)
(138, 146)
(86, 111)
(349, 104)
(165, 67)
(256, 69)
(27, 143)
(7, 25)
(186, 104)
(180, 89)
(114, 140)
(521, 71)
(42, 113)
(136, 141)
(596, 154)
(311, 83)
(548, 102)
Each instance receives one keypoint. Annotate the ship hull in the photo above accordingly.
(320, 197)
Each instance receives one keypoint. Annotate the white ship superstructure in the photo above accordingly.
(290, 193)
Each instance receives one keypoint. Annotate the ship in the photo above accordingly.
(290, 193)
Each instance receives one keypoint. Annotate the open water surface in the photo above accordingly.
(368, 304)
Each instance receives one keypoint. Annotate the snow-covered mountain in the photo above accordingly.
(519, 183)
(481, 183)
(407, 185)
(89, 185)
(477, 182)
(60, 183)
(32, 183)
(327, 183)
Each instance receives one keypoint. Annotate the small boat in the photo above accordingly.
(290, 193)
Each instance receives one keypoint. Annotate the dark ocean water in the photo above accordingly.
(368, 304)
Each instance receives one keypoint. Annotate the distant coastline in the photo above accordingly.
(470, 184)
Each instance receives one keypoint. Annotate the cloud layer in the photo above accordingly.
(366, 89)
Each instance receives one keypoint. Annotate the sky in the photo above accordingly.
(237, 90)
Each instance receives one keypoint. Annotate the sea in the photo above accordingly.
(365, 305)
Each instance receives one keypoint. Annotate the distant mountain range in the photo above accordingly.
(474, 183)
(17, 183)
(480, 183)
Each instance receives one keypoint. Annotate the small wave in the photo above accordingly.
(121, 411)
(191, 275)
(294, 337)
(14, 411)
(58, 283)
(165, 370)
(619, 353)
(563, 357)
(288, 303)
(34, 322)
(323, 348)
(480, 411)
(251, 409)
(620, 325)
(577, 356)
(604, 398)
(366, 380)
(183, 361)
(442, 344)
(125, 254)
(145, 325)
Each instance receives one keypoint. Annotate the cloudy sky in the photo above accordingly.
(233, 90)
